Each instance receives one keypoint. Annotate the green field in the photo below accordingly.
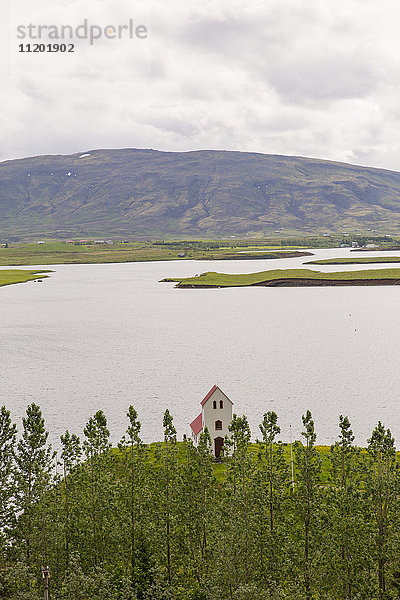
(218, 280)
(10, 276)
(354, 261)
(53, 253)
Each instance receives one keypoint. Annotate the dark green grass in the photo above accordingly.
(212, 279)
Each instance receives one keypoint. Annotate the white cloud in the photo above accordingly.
(300, 77)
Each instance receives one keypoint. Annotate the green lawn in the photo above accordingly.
(354, 261)
(10, 276)
(219, 468)
(212, 279)
(54, 253)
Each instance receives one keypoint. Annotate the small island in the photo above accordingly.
(290, 278)
(11, 276)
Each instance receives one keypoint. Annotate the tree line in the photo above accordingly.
(166, 522)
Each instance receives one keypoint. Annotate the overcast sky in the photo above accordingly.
(299, 77)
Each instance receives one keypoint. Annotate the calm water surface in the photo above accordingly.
(106, 336)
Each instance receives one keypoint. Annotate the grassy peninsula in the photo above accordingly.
(10, 276)
(290, 278)
(355, 261)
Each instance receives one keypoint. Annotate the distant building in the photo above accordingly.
(216, 415)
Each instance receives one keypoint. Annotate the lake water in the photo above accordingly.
(106, 336)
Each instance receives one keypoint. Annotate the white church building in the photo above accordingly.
(216, 415)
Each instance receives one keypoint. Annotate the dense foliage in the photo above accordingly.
(165, 522)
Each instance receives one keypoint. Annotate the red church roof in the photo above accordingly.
(210, 393)
(197, 424)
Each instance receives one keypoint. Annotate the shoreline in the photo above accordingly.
(300, 283)
(14, 276)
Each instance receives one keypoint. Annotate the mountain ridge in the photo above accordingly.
(177, 152)
(200, 193)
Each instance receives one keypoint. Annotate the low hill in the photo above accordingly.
(209, 194)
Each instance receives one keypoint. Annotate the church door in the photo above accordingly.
(218, 444)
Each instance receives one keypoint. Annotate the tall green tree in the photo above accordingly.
(134, 499)
(8, 435)
(238, 541)
(307, 501)
(70, 456)
(382, 492)
(165, 482)
(207, 487)
(270, 496)
(96, 447)
(345, 562)
(34, 464)
(195, 507)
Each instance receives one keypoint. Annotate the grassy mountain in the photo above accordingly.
(146, 193)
